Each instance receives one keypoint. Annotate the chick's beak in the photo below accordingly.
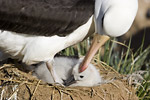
(98, 41)
(69, 81)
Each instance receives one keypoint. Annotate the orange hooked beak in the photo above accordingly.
(98, 41)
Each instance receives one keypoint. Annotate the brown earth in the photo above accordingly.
(19, 85)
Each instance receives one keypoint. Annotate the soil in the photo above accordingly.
(16, 84)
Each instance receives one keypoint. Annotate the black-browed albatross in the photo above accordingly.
(35, 30)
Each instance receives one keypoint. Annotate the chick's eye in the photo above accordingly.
(81, 76)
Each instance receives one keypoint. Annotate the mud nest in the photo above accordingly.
(20, 85)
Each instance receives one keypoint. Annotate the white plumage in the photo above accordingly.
(114, 17)
(64, 68)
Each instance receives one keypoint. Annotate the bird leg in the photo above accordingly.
(98, 41)
(53, 73)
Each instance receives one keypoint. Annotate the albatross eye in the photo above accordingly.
(81, 76)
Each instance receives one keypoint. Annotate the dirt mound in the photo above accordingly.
(19, 85)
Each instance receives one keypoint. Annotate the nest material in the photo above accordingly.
(19, 85)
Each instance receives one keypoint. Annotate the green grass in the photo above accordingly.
(124, 61)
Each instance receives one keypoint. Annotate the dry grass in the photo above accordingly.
(19, 85)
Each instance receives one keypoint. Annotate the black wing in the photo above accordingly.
(44, 17)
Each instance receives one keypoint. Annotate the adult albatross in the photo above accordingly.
(35, 30)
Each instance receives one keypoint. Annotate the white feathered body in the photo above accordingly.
(64, 67)
(61, 65)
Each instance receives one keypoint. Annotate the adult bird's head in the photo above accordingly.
(112, 18)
